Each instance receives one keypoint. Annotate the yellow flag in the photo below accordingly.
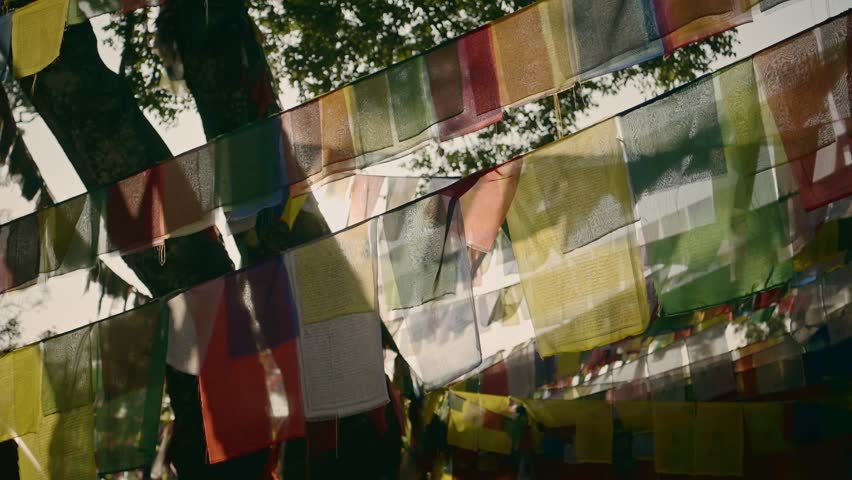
(674, 437)
(37, 31)
(63, 447)
(719, 439)
(571, 228)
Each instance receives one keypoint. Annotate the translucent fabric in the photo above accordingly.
(129, 393)
(422, 251)
(487, 202)
(250, 382)
(249, 172)
(372, 115)
(444, 71)
(611, 35)
(340, 344)
(701, 196)
(69, 235)
(523, 62)
(62, 447)
(37, 31)
(805, 83)
(337, 143)
(189, 182)
(682, 23)
(480, 90)
(134, 213)
(580, 268)
(424, 275)
(67, 378)
(19, 252)
(303, 139)
(364, 198)
(192, 316)
(410, 95)
(20, 403)
(715, 263)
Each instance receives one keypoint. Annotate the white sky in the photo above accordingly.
(64, 304)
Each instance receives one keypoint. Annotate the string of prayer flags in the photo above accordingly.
(570, 224)
(457, 87)
(340, 345)
(487, 202)
(250, 382)
(37, 31)
(129, 378)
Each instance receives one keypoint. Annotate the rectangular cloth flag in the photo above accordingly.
(682, 23)
(135, 212)
(425, 277)
(20, 402)
(69, 234)
(487, 202)
(61, 448)
(129, 388)
(67, 378)
(805, 83)
(340, 345)
(250, 382)
(524, 65)
(192, 316)
(480, 90)
(250, 173)
(611, 35)
(580, 267)
(37, 31)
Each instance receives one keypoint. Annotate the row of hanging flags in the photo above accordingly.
(452, 90)
(693, 249)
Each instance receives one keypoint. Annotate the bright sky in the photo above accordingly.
(66, 304)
